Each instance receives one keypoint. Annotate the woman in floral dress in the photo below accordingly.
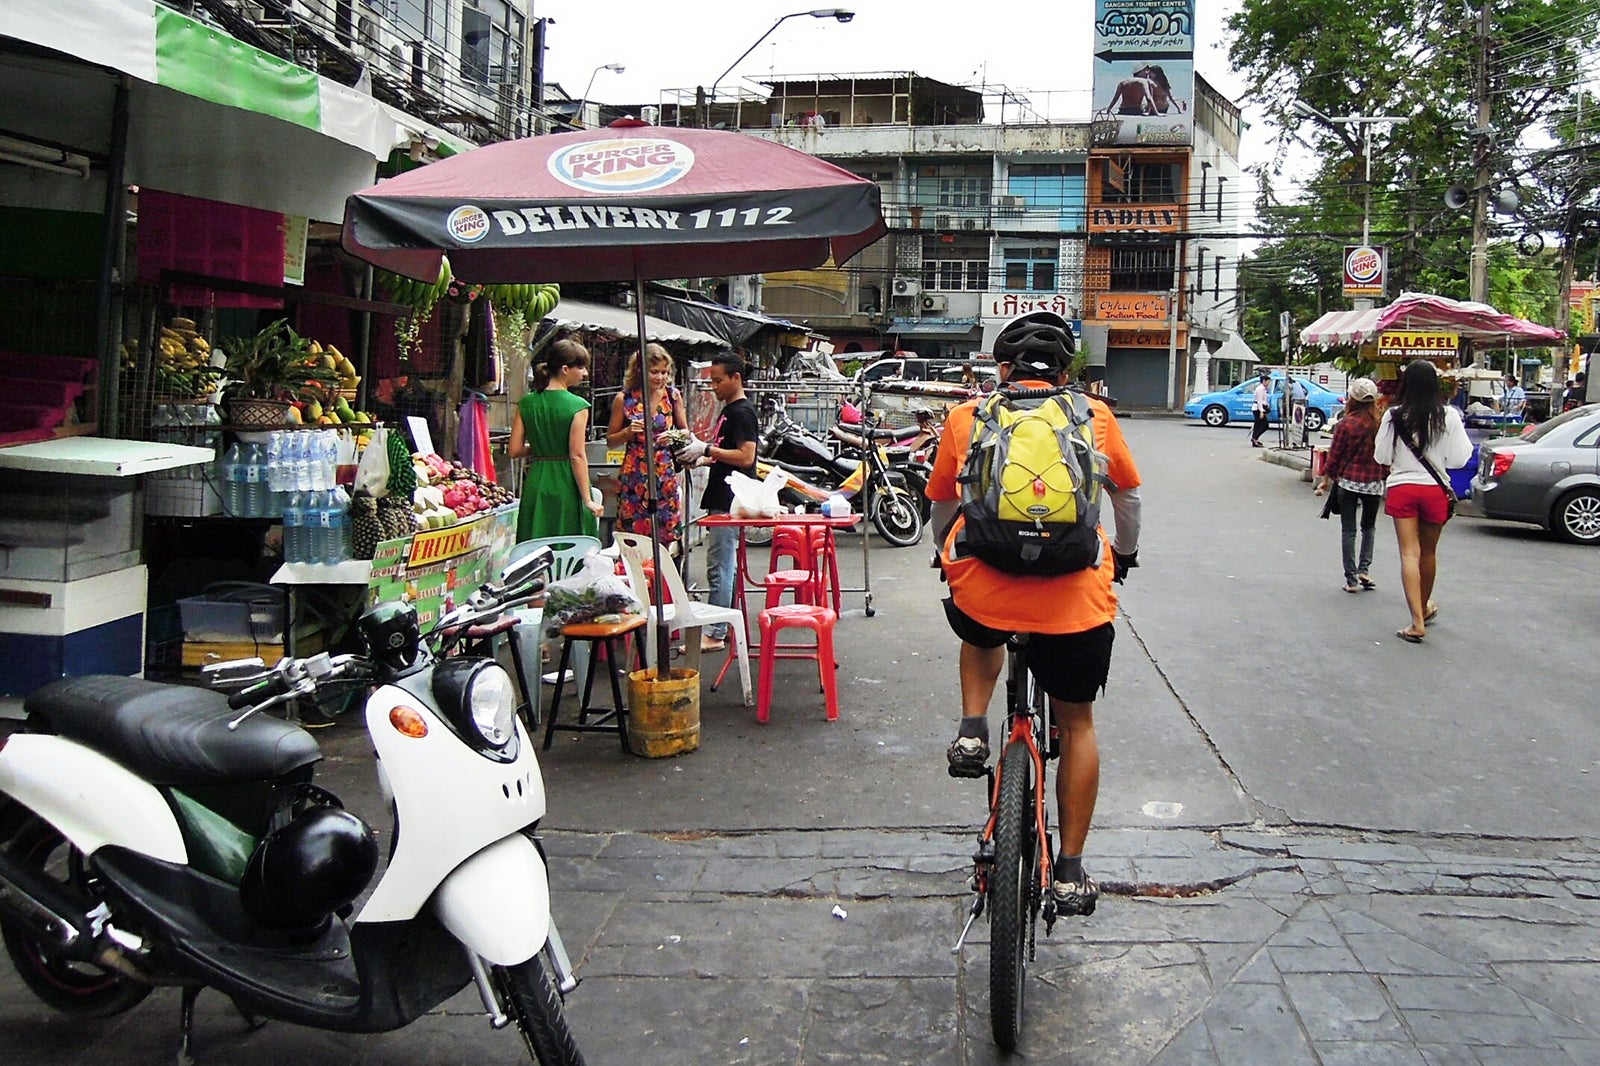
(627, 427)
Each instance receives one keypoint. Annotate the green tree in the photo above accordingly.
(1418, 59)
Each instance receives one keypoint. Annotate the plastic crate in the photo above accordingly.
(244, 612)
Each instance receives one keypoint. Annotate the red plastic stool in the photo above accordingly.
(820, 621)
(803, 583)
(792, 543)
(825, 565)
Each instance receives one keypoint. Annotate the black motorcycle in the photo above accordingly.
(872, 484)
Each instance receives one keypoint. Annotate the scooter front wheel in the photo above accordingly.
(532, 1000)
(73, 988)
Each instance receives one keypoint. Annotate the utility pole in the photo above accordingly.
(1478, 265)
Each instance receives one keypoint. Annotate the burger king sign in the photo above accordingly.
(1364, 270)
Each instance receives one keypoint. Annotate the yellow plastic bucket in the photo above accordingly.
(663, 716)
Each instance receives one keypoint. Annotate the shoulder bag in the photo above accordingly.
(1405, 438)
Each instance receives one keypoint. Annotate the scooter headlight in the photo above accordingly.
(479, 699)
(492, 705)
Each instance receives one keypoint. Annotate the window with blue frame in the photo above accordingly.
(1032, 268)
(1046, 187)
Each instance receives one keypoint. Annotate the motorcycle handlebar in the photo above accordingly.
(256, 693)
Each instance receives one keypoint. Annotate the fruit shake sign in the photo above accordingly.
(625, 168)
(1364, 267)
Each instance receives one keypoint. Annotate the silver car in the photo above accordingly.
(1550, 477)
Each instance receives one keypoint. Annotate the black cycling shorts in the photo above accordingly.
(1069, 666)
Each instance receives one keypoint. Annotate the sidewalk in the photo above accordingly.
(1222, 948)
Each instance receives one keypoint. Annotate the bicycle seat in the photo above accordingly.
(170, 734)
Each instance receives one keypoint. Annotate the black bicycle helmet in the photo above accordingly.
(1039, 342)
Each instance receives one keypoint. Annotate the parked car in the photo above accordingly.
(987, 373)
(1219, 408)
(1549, 477)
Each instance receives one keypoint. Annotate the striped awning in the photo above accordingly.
(210, 116)
(1415, 310)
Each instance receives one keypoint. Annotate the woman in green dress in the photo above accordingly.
(550, 430)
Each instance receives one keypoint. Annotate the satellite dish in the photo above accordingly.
(1456, 197)
(1506, 202)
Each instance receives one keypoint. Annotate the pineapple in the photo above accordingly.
(394, 515)
(365, 528)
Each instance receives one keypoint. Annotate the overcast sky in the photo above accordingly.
(1022, 44)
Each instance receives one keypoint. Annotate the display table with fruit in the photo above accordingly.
(438, 532)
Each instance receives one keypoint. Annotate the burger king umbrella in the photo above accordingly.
(627, 202)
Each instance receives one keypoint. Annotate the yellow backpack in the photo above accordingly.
(1030, 488)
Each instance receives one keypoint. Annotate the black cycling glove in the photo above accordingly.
(1123, 563)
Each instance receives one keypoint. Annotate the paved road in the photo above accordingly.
(1320, 844)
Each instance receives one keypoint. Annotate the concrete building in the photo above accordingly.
(994, 211)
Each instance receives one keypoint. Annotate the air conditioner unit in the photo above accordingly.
(907, 286)
(935, 303)
(1011, 203)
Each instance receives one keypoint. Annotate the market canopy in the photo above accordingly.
(630, 201)
(730, 323)
(210, 116)
(621, 322)
(1423, 311)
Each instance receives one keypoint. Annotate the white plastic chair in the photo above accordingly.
(569, 553)
(683, 614)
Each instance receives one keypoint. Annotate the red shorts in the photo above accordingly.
(1426, 502)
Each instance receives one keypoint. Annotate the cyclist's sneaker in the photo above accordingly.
(969, 756)
(1076, 897)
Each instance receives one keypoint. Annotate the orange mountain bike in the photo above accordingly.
(1013, 863)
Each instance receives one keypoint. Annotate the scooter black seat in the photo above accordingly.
(170, 734)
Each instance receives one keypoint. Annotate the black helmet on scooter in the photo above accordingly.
(392, 635)
(301, 874)
(1039, 342)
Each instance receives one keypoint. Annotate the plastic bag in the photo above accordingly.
(372, 472)
(592, 593)
(756, 499)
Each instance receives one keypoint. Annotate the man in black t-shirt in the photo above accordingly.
(733, 448)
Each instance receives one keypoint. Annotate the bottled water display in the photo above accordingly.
(295, 475)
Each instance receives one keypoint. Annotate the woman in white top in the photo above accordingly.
(1415, 500)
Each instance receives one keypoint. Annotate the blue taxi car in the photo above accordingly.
(1219, 408)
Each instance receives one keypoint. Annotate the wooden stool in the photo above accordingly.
(612, 638)
(820, 621)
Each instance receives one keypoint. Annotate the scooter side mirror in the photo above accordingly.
(528, 568)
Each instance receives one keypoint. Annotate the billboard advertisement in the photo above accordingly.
(1364, 269)
(1143, 72)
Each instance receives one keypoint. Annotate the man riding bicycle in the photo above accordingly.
(1069, 616)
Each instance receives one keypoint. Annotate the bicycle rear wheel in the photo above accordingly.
(1011, 894)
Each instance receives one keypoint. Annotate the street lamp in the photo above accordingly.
(1364, 145)
(615, 68)
(840, 13)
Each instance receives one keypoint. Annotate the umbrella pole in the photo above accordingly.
(662, 650)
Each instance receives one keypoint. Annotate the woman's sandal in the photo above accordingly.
(1430, 612)
(1408, 636)
(1366, 582)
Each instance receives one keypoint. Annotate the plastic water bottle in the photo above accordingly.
(301, 460)
(294, 529)
(233, 480)
(338, 514)
(254, 485)
(275, 446)
(329, 455)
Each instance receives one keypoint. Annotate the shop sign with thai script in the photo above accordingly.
(1130, 306)
(1002, 306)
(1403, 344)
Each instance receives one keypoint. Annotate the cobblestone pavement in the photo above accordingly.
(1227, 947)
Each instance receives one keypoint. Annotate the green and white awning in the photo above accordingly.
(211, 115)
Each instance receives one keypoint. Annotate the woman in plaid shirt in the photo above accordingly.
(1359, 480)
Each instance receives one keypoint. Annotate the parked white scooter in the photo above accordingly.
(153, 835)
